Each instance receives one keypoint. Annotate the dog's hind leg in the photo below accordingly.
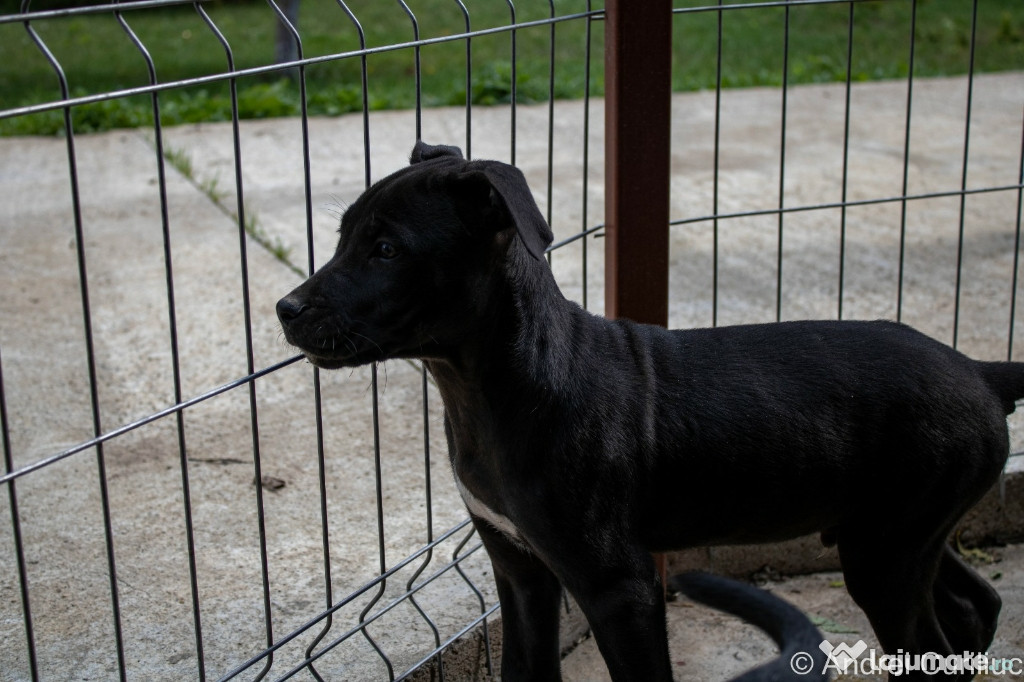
(530, 597)
(967, 606)
(891, 579)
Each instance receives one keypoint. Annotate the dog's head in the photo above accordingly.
(418, 254)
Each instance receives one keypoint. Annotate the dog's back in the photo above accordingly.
(790, 422)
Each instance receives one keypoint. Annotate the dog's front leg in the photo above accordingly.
(530, 596)
(624, 603)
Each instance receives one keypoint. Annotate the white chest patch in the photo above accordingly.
(482, 511)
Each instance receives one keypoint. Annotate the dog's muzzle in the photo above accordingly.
(322, 340)
(289, 310)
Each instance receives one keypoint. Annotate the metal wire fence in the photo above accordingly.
(373, 606)
(900, 123)
(261, 520)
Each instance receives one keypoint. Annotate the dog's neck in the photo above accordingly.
(505, 383)
(525, 340)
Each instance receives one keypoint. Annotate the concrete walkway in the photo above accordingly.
(47, 385)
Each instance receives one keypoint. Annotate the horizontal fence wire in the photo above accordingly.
(143, 421)
(351, 618)
(284, 66)
(849, 203)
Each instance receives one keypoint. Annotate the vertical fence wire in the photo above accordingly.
(90, 348)
(381, 549)
(513, 85)
(457, 557)
(240, 213)
(963, 175)
(469, 78)
(364, 94)
(844, 190)
(321, 463)
(19, 546)
(236, 148)
(716, 165)
(261, 522)
(307, 184)
(417, 71)
(429, 523)
(438, 658)
(585, 191)
(550, 184)
(1016, 247)
(1014, 279)
(378, 474)
(782, 161)
(904, 192)
(158, 141)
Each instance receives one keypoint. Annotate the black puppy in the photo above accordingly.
(580, 445)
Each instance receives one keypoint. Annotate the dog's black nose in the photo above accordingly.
(289, 307)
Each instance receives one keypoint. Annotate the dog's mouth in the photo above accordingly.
(323, 362)
(334, 341)
(325, 357)
(336, 350)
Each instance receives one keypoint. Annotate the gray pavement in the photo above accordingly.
(47, 388)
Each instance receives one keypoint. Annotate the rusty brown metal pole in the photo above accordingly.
(638, 88)
(638, 112)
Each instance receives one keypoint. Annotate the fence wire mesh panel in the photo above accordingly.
(830, 194)
(187, 499)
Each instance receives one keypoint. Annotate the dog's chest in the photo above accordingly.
(499, 522)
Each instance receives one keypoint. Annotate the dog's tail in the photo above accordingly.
(1006, 379)
(800, 656)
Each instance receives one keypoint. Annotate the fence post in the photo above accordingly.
(638, 113)
(638, 87)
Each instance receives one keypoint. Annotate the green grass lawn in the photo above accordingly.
(98, 56)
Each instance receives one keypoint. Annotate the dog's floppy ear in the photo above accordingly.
(425, 152)
(508, 188)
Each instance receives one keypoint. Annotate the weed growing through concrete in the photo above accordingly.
(181, 160)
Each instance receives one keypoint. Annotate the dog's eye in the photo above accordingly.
(385, 250)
